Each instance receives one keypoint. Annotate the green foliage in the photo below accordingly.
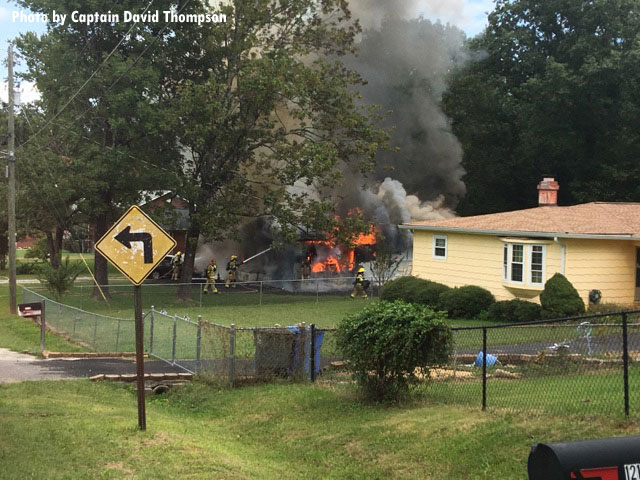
(554, 89)
(39, 250)
(414, 290)
(59, 280)
(26, 268)
(386, 342)
(514, 310)
(467, 301)
(560, 299)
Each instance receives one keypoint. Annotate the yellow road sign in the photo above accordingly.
(135, 245)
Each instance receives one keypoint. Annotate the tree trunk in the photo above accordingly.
(186, 275)
(55, 246)
(53, 258)
(100, 263)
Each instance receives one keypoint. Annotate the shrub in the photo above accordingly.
(560, 299)
(397, 289)
(515, 310)
(385, 343)
(414, 290)
(26, 268)
(59, 280)
(467, 301)
(39, 250)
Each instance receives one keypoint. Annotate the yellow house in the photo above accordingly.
(512, 254)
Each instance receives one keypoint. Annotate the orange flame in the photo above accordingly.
(338, 259)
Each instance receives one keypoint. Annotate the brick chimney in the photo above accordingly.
(548, 192)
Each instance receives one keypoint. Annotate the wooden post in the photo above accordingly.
(137, 306)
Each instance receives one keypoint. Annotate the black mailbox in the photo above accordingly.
(605, 459)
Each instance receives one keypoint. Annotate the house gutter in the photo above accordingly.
(552, 235)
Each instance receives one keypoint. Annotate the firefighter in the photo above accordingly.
(212, 268)
(305, 270)
(358, 284)
(176, 263)
(232, 266)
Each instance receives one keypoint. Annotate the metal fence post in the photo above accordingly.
(260, 292)
(81, 297)
(201, 289)
(198, 342)
(175, 332)
(317, 290)
(625, 362)
(232, 353)
(151, 331)
(73, 330)
(118, 336)
(43, 326)
(484, 368)
(312, 358)
(95, 332)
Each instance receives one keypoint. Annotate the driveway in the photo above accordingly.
(19, 367)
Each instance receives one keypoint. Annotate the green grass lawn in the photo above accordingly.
(84, 430)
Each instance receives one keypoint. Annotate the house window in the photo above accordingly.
(537, 264)
(440, 246)
(514, 260)
(517, 262)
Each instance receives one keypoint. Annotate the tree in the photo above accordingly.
(554, 91)
(264, 107)
(108, 129)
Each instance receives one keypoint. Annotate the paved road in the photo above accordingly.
(19, 367)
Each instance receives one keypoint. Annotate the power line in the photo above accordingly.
(87, 80)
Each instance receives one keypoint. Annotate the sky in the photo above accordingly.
(469, 15)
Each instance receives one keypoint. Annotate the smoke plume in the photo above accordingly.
(406, 62)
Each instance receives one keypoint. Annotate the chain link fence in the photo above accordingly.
(238, 353)
(264, 292)
(586, 365)
(96, 332)
(581, 365)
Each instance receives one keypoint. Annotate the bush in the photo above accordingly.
(414, 290)
(385, 343)
(397, 289)
(59, 280)
(467, 301)
(560, 299)
(515, 310)
(39, 250)
(26, 268)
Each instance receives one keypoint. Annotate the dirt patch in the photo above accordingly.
(441, 373)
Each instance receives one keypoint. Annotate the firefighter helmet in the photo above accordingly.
(233, 257)
(361, 270)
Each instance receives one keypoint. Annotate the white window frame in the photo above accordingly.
(446, 247)
(508, 271)
(527, 263)
(542, 264)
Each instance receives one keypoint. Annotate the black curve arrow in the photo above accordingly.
(125, 237)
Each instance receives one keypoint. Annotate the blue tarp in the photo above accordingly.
(491, 360)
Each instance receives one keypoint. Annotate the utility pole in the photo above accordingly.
(12, 192)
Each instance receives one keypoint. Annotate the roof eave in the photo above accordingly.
(474, 231)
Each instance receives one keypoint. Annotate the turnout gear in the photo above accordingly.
(305, 270)
(176, 263)
(212, 268)
(358, 284)
(232, 266)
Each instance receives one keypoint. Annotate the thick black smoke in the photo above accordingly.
(406, 63)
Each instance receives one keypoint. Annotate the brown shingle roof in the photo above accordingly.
(596, 218)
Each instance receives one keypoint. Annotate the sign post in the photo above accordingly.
(136, 253)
